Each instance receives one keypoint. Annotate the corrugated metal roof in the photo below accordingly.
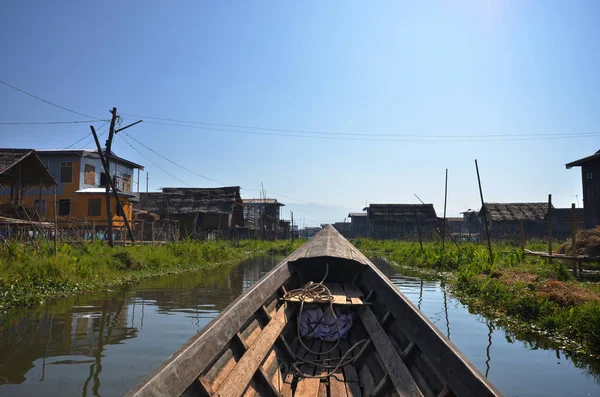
(90, 153)
(102, 190)
(262, 201)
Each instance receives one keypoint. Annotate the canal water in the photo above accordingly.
(104, 344)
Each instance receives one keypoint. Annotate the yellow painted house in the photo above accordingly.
(80, 194)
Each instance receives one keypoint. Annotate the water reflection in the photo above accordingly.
(488, 349)
(104, 344)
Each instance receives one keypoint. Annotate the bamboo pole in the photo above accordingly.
(444, 221)
(550, 229)
(487, 229)
(574, 237)
(418, 228)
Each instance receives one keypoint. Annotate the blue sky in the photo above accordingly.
(444, 69)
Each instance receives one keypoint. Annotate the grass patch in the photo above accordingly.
(528, 289)
(29, 275)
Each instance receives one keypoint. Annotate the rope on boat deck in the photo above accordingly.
(319, 293)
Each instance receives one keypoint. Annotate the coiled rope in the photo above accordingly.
(319, 293)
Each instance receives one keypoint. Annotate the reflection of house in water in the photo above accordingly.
(84, 332)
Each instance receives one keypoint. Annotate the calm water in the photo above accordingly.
(102, 345)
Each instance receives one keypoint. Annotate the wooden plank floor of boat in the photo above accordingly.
(259, 360)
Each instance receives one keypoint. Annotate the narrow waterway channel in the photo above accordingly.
(104, 344)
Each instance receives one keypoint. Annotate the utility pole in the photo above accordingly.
(109, 225)
(106, 163)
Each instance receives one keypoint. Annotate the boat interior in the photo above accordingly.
(279, 339)
(374, 358)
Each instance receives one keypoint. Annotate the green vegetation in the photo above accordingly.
(32, 274)
(523, 288)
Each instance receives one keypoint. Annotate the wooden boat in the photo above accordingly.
(252, 348)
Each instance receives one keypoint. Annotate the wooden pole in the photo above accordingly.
(40, 200)
(153, 227)
(112, 186)
(292, 227)
(549, 229)
(574, 237)
(444, 221)
(418, 228)
(485, 221)
(55, 222)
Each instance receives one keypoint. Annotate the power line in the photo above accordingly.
(173, 162)
(45, 122)
(92, 140)
(421, 138)
(189, 170)
(146, 157)
(48, 102)
(85, 136)
(561, 135)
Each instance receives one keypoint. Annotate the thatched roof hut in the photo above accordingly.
(515, 211)
(20, 170)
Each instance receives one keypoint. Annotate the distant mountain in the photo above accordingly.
(316, 214)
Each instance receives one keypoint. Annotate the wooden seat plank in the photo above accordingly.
(271, 371)
(322, 389)
(307, 387)
(242, 373)
(340, 301)
(251, 390)
(219, 371)
(324, 382)
(339, 297)
(286, 388)
(251, 332)
(337, 386)
(399, 374)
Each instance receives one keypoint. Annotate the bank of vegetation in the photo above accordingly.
(30, 274)
(527, 289)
